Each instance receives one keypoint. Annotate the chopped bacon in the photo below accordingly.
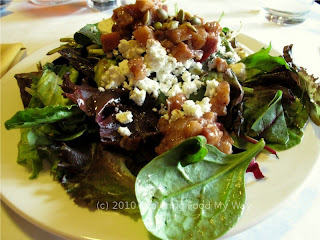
(180, 34)
(213, 27)
(110, 41)
(221, 65)
(221, 99)
(122, 17)
(176, 102)
(142, 34)
(182, 52)
(133, 10)
(209, 47)
(144, 5)
(199, 38)
(138, 68)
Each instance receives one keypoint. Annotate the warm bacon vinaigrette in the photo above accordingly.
(181, 129)
(188, 39)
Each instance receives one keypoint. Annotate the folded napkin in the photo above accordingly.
(10, 55)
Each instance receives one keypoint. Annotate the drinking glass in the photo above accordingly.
(287, 11)
(50, 2)
(102, 5)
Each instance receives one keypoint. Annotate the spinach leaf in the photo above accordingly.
(202, 200)
(31, 117)
(261, 62)
(88, 34)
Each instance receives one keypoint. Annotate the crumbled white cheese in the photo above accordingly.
(149, 85)
(124, 131)
(124, 117)
(175, 90)
(190, 108)
(156, 56)
(138, 96)
(124, 68)
(211, 87)
(130, 49)
(186, 76)
(112, 78)
(189, 88)
(205, 104)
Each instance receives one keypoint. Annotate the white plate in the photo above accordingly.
(45, 203)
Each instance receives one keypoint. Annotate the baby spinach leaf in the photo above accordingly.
(202, 200)
(31, 117)
(88, 34)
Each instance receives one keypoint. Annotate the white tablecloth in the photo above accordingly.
(37, 26)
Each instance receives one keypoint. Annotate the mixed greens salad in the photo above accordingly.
(100, 112)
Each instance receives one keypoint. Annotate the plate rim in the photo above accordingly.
(47, 227)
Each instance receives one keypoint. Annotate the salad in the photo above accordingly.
(164, 113)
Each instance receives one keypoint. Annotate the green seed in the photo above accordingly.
(157, 25)
(192, 28)
(146, 18)
(187, 15)
(181, 16)
(195, 21)
(162, 14)
(173, 25)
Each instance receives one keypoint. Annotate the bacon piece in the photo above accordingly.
(180, 34)
(209, 47)
(110, 41)
(142, 34)
(176, 102)
(182, 52)
(213, 27)
(138, 68)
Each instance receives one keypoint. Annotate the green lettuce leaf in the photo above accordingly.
(261, 62)
(28, 150)
(31, 117)
(178, 202)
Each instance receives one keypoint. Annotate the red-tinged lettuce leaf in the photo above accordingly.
(80, 63)
(308, 83)
(105, 105)
(24, 81)
(92, 176)
(255, 169)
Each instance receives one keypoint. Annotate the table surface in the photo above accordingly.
(37, 26)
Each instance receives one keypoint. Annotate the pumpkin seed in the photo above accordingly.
(146, 18)
(192, 28)
(162, 14)
(187, 16)
(195, 21)
(181, 16)
(157, 25)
